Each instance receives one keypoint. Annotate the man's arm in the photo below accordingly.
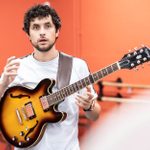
(89, 104)
(9, 73)
(94, 113)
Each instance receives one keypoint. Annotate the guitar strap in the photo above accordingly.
(64, 70)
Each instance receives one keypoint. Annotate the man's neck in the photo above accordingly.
(45, 56)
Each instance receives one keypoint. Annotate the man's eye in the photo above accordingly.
(47, 26)
(35, 27)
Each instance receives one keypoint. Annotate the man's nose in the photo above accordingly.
(42, 32)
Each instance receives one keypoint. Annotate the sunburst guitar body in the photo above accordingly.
(24, 114)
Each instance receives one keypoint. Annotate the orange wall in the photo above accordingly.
(110, 28)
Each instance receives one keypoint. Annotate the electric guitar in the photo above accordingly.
(25, 112)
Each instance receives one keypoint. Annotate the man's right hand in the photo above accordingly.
(10, 71)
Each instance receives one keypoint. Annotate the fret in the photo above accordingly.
(91, 78)
(66, 91)
(99, 74)
(63, 93)
(115, 67)
(87, 81)
(75, 86)
(83, 83)
(104, 71)
(59, 95)
(54, 97)
(72, 90)
(95, 76)
(49, 98)
(109, 69)
(80, 84)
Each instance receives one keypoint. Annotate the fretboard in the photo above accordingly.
(73, 88)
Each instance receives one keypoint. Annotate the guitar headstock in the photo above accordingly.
(135, 58)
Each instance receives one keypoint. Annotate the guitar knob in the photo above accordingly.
(21, 133)
(20, 143)
(28, 139)
(14, 138)
(138, 62)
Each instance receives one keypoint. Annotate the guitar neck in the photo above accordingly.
(77, 86)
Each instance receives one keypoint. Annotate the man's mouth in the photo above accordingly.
(42, 41)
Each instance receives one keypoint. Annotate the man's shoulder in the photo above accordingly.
(79, 61)
(25, 56)
(75, 58)
(26, 59)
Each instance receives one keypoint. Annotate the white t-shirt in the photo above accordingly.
(61, 135)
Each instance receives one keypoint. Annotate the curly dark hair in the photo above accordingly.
(41, 11)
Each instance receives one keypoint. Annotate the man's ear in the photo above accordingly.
(57, 33)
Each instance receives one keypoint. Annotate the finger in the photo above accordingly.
(12, 68)
(90, 95)
(10, 59)
(15, 62)
(84, 97)
(82, 103)
(11, 74)
(88, 89)
(79, 103)
(89, 92)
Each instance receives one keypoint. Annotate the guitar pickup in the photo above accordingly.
(44, 103)
(30, 110)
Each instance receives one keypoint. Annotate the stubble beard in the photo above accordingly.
(45, 49)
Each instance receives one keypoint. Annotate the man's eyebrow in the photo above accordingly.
(47, 23)
(35, 24)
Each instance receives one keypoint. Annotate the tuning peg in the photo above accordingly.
(138, 62)
(144, 59)
(135, 53)
(129, 55)
(132, 65)
(141, 50)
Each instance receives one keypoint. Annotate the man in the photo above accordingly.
(42, 24)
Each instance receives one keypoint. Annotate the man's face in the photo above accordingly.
(43, 33)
